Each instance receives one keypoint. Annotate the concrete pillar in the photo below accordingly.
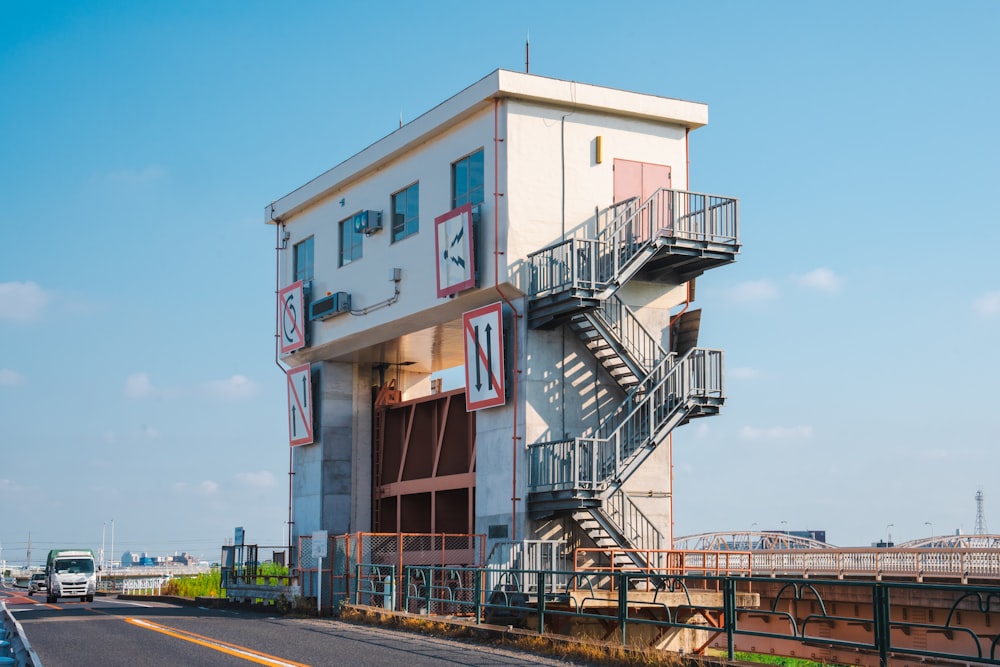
(331, 489)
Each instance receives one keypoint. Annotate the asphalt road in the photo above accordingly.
(110, 632)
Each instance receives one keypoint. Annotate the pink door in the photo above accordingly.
(642, 180)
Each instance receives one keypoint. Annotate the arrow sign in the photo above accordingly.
(484, 369)
(291, 317)
(300, 409)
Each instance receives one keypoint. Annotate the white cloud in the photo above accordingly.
(701, 430)
(235, 388)
(204, 488)
(149, 432)
(262, 479)
(744, 373)
(776, 432)
(988, 305)
(754, 291)
(22, 302)
(9, 378)
(138, 385)
(820, 279)
(208, 488)
(8, 486)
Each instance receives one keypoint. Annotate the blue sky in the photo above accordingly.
(140, 142)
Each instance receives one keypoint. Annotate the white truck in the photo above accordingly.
(70, 573)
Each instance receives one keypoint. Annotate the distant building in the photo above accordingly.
(133, 559)
(818, 535)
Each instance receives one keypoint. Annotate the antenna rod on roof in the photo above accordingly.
(527, 52)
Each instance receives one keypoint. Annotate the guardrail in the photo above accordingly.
(20, 650)
(631, 607)
(147, 586)
(963, 564)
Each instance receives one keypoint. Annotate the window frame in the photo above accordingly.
(469, 193)
(405, 231)
(297, 252)
(356, 241)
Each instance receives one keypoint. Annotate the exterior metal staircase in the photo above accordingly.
(674, 236)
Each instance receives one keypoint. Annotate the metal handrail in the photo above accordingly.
(630, 333)
(633, 524)
(595, 264)
(596, 462)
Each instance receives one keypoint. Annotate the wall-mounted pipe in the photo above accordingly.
(281, 243)
(517, 316)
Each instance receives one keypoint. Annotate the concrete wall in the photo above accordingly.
(367, 279)
(553, 180)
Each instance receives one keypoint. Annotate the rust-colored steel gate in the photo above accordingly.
(424, 466)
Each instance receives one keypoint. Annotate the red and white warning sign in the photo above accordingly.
(300, 411)
(484, 376)
(292, 317)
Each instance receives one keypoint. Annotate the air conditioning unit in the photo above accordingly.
(368, 222)
(329, 306)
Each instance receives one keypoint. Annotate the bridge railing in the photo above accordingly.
(960, 565)
(143, 586)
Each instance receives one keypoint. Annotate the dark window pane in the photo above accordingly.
(304, 260)
(467, 180)
(350, 242)
(405, 216)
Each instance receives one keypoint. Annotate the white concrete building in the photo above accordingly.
(566, 204)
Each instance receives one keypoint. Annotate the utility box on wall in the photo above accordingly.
(329, 306)
(367, 222)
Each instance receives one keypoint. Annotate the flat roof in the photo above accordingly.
(500, 84)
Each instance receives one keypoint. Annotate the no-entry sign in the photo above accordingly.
(484, 376)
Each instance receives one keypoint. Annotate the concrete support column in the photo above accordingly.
(346, 430)
(496, 453)
(331, 489)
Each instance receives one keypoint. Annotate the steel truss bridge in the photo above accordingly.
(961, 558)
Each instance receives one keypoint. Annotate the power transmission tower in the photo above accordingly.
(981, 528)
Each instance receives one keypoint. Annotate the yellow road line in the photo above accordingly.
(217, 645)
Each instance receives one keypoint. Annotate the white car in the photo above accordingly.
(37, 583)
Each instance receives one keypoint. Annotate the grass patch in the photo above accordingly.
(207, 584)
(765, 659)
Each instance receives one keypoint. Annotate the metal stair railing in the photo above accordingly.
(630, 521)
(602, 263)
(597, 464)
(621, 324)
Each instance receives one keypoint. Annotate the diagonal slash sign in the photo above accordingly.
(486, 358)
(299, 403)
(288, 312)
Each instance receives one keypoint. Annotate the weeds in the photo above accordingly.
(570, 649)
(207, 584)
(763, 659)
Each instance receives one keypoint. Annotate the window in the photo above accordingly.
(350, 242)
(304, 260)
(405, 212)
(467, 180)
